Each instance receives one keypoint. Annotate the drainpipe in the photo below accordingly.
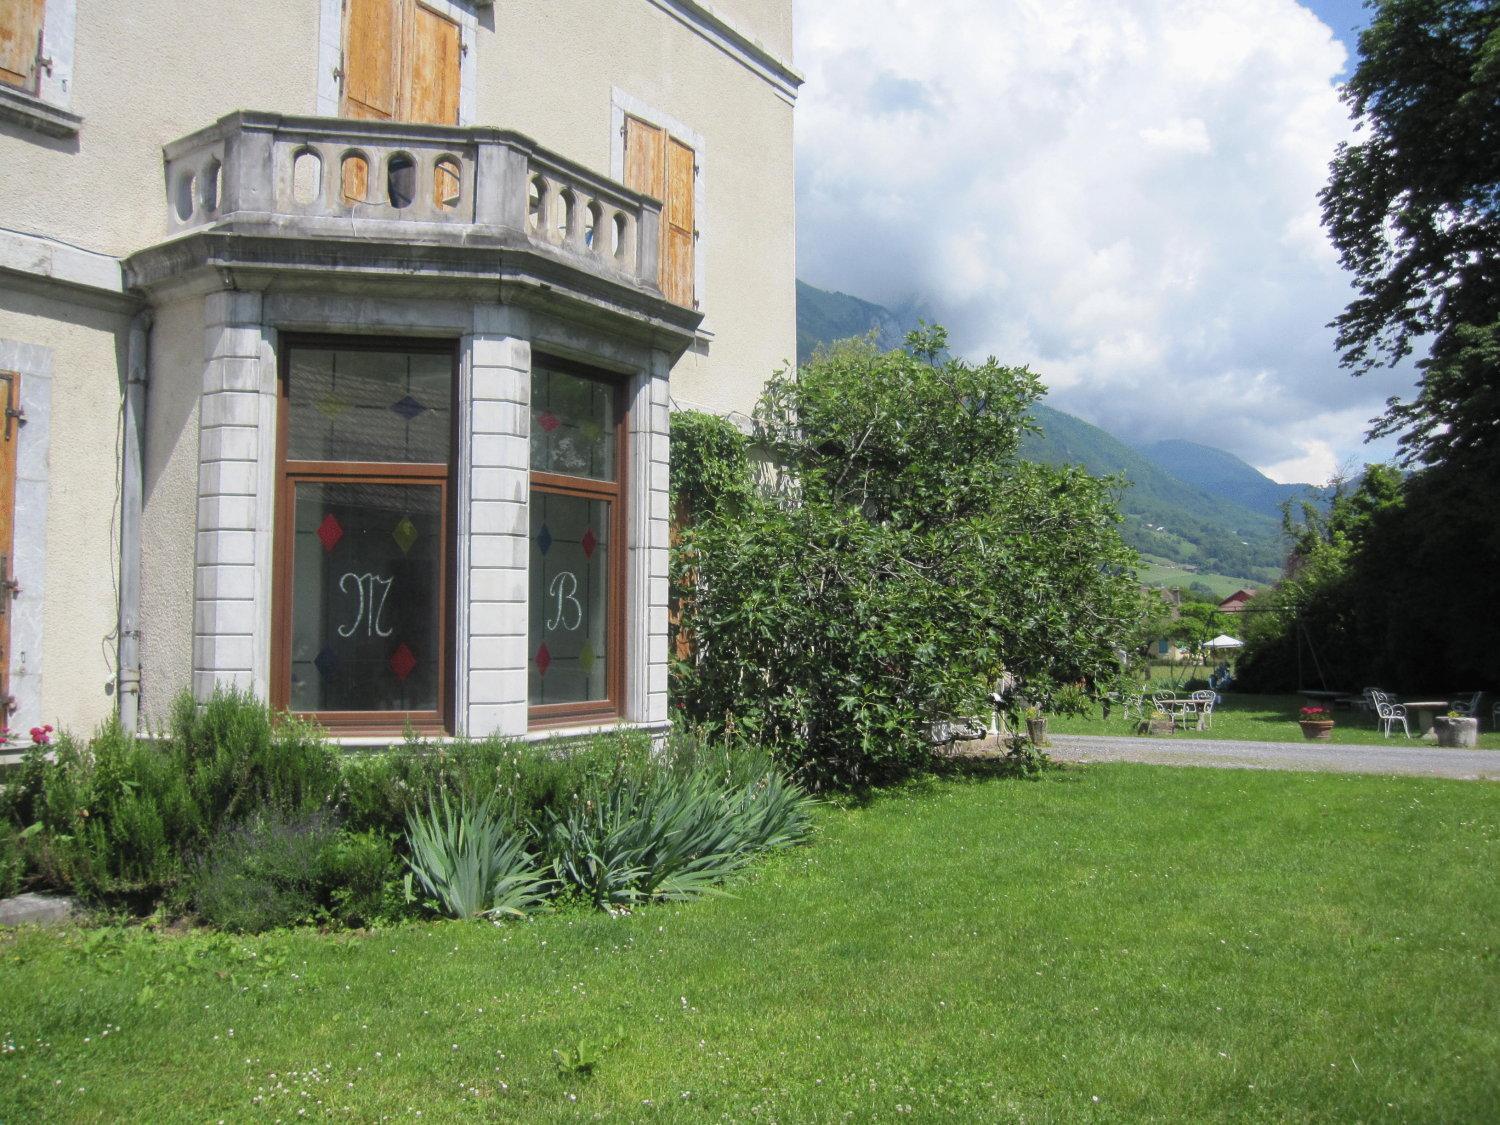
(128, 678)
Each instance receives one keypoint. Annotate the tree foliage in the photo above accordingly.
(1391, 587)
(1414, 210)
(885, 557)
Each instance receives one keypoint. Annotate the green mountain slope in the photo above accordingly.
(1166, 516)
(1220, 473)
(824, 316)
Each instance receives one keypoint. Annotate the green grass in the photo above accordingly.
(1113, 943)
(1255, 718)
(1159, 572)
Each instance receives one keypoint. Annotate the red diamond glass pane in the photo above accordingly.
(330, 531)
(402, 662)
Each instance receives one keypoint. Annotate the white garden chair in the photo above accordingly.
(1389, 713)
(1206, 699)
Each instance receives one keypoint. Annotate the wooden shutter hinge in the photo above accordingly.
(9, 587)
(13, 413)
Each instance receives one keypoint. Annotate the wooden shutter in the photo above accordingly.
(430, 81)
(662, 167)
(372, 59)
(645, 158)
(10, 402)
(20, 41)
(677, 225)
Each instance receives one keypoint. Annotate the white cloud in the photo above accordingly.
(1122, 195)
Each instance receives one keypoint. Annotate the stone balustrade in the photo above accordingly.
(408, 182)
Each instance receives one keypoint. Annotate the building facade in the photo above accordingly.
(340, 340)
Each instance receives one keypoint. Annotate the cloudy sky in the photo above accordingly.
(1122, 194)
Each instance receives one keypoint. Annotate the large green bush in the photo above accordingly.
(876, 555)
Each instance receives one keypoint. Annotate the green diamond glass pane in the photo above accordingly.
(405, 534)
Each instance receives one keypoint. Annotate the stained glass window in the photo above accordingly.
(574, 620)
(572, 424)
(358, 405)
(569, 624)
(364, 560)
(365, 609)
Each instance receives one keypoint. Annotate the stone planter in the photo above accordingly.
(1165, 725)
(1317, 730)
(1456, 733)
(1036, 731)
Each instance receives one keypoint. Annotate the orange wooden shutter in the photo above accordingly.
(20, 41)
(372, 39)
(677, 225)
(645, 160)
(663, 167)
(10, 400)
(430, 81)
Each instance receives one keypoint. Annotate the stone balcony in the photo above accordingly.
(330, 201)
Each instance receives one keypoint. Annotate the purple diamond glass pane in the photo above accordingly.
(326, 661)
(544, 540)
(407, 407)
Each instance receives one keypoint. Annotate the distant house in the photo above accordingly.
(1236, 602)
(1165, 648)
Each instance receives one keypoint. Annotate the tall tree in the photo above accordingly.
(1414, 209)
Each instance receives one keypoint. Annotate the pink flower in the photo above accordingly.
(42, 735)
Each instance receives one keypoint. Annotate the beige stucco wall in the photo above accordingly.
(169, 504)
(768, 22)
(145, 73)
(82, 546)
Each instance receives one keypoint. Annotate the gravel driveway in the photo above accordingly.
(1418, 761)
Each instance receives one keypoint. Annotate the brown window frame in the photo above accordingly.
(545, 715)
(291, 472)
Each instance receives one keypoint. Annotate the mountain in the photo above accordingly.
(1164, 515)
(1212, 512)
(824, 316)
(1222, 474)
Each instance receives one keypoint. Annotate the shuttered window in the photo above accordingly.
(662, 166)
(402, 62)
(20, 42)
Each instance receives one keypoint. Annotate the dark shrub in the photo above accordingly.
(267, 873)
(364, 878)
(12, 861)
(380, 792)
(236, 760)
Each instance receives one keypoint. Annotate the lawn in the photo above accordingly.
(1257, 718)
(1111, 943)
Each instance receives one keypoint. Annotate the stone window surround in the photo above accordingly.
(233, 587)
(331, 49)
(29, 547)
(47, 109)
(622, 103)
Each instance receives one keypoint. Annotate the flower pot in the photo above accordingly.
(1456, 733)
(1317, 730)
(1161, 726)
(1036, 731)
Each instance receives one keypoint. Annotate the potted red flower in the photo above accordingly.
(1317, 725)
